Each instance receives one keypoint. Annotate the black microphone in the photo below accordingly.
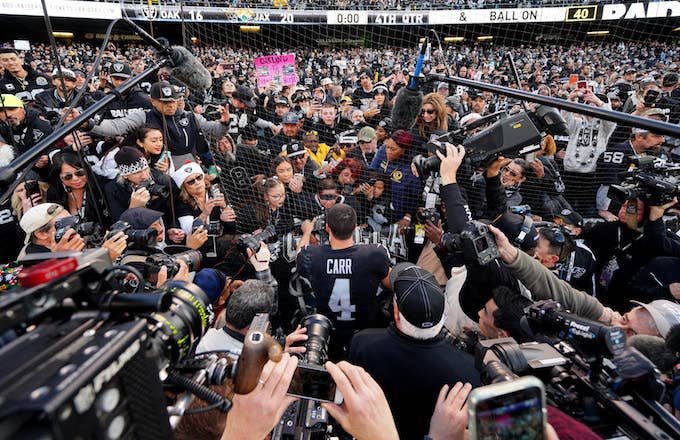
(185, 66)
(408, 101)
(655, 349)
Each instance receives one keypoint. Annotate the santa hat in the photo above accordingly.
(186, 170)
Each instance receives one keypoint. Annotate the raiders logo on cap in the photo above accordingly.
(37, 135)
(183, 122)
(117, 67)
(566, 211)
(167, 92)
(41, 81)
(188, 169)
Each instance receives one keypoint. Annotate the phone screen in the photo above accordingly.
(518, 414)
(582, 84)
(312, 382)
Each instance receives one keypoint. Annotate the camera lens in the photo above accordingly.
(191, 258)
(318, 333)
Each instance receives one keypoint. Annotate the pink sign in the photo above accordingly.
(279, 69)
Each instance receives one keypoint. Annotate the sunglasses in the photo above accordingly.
(513, 173)
(198, 178)
(428, 112)
(68, 176)
(312, 133)
(298, 157)
(328, 196)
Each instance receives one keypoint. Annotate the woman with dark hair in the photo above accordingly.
(270, 208)
(71, 186)
(298, 198)
(393, 159)
(150, 140)
(432, 118)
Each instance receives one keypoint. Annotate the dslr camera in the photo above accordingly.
(252, 241)
(475, 242)
(137, 237)
(154, 262)
(430, 214)
(155, 189)
(214, 227)
(89, 231)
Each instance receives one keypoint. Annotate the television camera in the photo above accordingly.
(509, 136)
(654, 183)
(587, 370)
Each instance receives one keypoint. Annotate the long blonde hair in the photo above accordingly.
(440, 123)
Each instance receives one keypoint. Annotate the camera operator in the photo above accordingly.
(616, 160)
(345, 277)
(622, 247)
(655, 318)
(411, 359)
(134, 184)
(39, 225)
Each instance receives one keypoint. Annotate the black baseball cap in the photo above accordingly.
(163, 91)
(141, 217)
(418, 295)
(120, 69)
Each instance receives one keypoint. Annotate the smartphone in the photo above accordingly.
(299, 177)
(32, 187)
(314, 383)
(508, 410)
(582, 84)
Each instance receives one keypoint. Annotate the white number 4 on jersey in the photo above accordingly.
(340, 300)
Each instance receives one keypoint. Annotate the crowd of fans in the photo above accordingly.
(307, 171)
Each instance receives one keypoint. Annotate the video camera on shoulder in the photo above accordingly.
(508, 136)
(171, 262)
(475, 242)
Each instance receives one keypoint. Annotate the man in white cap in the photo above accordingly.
(53, 101)
(38, 224)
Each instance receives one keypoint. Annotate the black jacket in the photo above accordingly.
(50, 103)
(118, 197)
(135, 101)
(32, 131)
(28, 88)
(411, 372)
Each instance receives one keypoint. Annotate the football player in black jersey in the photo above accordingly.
(345, 277)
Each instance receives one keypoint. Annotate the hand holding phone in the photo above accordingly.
(508, 410)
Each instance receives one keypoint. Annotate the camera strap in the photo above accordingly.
(526, 227)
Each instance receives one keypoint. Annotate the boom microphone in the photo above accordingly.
(187, 68)
(673, 339)
(406, 108)
(655, 349)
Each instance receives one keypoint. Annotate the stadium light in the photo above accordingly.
(676, 29)
(250, 29)
(597, 33)
(58, 34)
(453, 39)
(485, 38)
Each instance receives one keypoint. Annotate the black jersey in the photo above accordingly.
(345, 284)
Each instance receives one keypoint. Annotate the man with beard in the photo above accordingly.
(51, 102)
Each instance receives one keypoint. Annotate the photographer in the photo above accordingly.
(655, 318)
(39, 225)
(132, 188)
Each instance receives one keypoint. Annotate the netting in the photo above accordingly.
(557, 47)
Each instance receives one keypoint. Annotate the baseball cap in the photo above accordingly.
(570, 217)
(163, 91)
(293, 150)
(282, 101)
(212, 282)
(120, 69)
(670, 79)
(38, 216)
(366, 134)
(141, 217)
(244, 94)
(290, 118)
(443, 85)
(348, 137)
(366, 72)
(10, 101)
(418, 296)
(326, 81)
(346, 99)
(249, 132)
(665, 314)
(66, 73)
